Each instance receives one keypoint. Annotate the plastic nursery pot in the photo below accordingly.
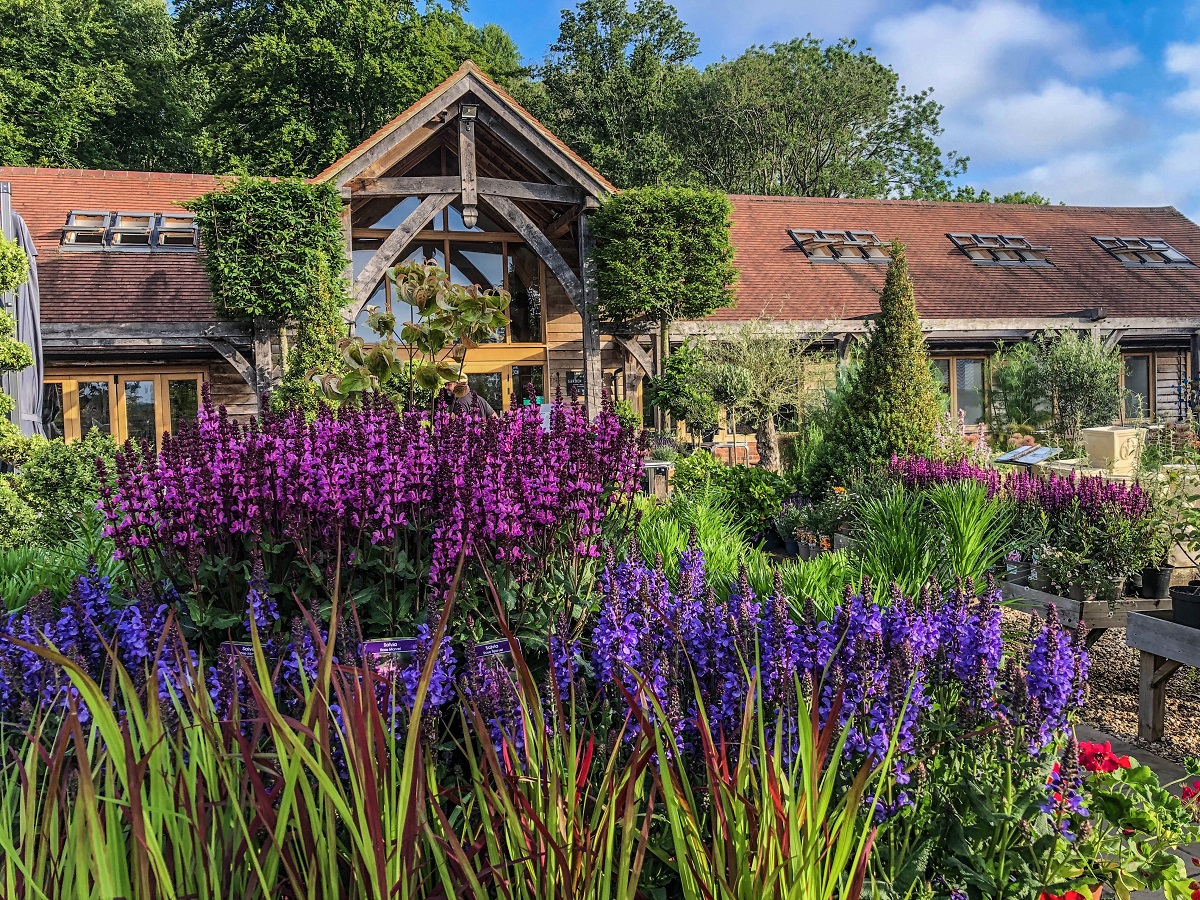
(1185, 606)
(772, 541)
(1156, 582)
(790, 547)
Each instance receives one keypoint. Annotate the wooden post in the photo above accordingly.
(593, 368)
(466, 166)
(264, 367)
(1152, 700)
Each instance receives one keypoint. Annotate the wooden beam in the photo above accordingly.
(266, 372)
(422, 119)
(466, 170)
(637, 353)
(965, 325)
(234, 357)
(593, 368)
(419, 185)
(235, 332)
(541, 245)
(364, 284)
(562, 222)
(1113, 338)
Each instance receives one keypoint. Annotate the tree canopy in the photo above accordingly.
(295, 86)
(611, 87)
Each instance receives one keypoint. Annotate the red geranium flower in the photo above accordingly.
(1100, 758)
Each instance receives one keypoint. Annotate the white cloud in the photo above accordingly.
(1055, 117)
(968, 52)
(1184, 60)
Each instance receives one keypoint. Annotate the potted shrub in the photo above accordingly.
(1157, 573)
(786, 523)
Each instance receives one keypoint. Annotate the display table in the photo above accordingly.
(1165, 648)
(1098, 615)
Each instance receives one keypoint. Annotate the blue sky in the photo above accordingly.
(1086, 102)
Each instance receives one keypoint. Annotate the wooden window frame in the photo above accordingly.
(952, 383)
(70, 379)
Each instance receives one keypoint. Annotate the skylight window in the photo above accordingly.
(1000, 249)
(839, 246)
(1142, 252)
(130, 231)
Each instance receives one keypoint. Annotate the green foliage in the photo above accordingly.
(683, 391)
(274, 250)
(627, 415)
(976, 532)
(14, 356)
(890, 403)
(968, 194)
(28, 569)
(451, 320)
(14, 265)
(1083, 381)
(58, 480)
(18, 523)
(611, 85)
(663, 254)
(756, 495)
(806, 119)
(295, 86)
(95, 84)
(1019, 400)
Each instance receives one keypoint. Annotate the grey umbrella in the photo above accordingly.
(29, 331)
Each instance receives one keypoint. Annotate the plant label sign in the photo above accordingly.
(1039, 455)
(489, 649)
(231, 651)
(388, 655)
(1013, 455)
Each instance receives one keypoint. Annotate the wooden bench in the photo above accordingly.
(1165, 648)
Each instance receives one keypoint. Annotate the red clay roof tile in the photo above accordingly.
(110, 286)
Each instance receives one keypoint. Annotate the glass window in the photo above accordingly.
(398, 213)
(941, 371)
(184, 397)
(140, 421)
(529, 384)
(364, 249)
(484, 222)
(968, 376)
(53, 422)
(94, 407)
(481, 264)
(524, 284)
(489, 386)
(1137, 387)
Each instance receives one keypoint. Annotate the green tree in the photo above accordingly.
(95, 83)
(968, 194)
(296, 85)
(683, 391)
(14, 265)
(1083, 380)
(663, 253)
(802, 118)
(611, 85)
(14, 356)
(774, 362)
(890, 403)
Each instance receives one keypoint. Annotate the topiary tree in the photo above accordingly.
(14, 356)
(890, 404)
(1083, 380)
(663, 253)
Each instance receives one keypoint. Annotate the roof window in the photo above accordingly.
(820, 245)
(1000, 249)
(130, 231)
(1141, 252)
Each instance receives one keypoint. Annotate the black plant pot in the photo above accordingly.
(1156, 582)
(791, 548)
(1185, 606)
(772, 541)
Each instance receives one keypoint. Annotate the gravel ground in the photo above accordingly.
(1112, 704)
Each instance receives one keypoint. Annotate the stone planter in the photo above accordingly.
(1114, 448)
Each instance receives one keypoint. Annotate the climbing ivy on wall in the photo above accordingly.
(275, 251)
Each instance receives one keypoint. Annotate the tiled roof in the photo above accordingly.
(110, 286)
(779, 281)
